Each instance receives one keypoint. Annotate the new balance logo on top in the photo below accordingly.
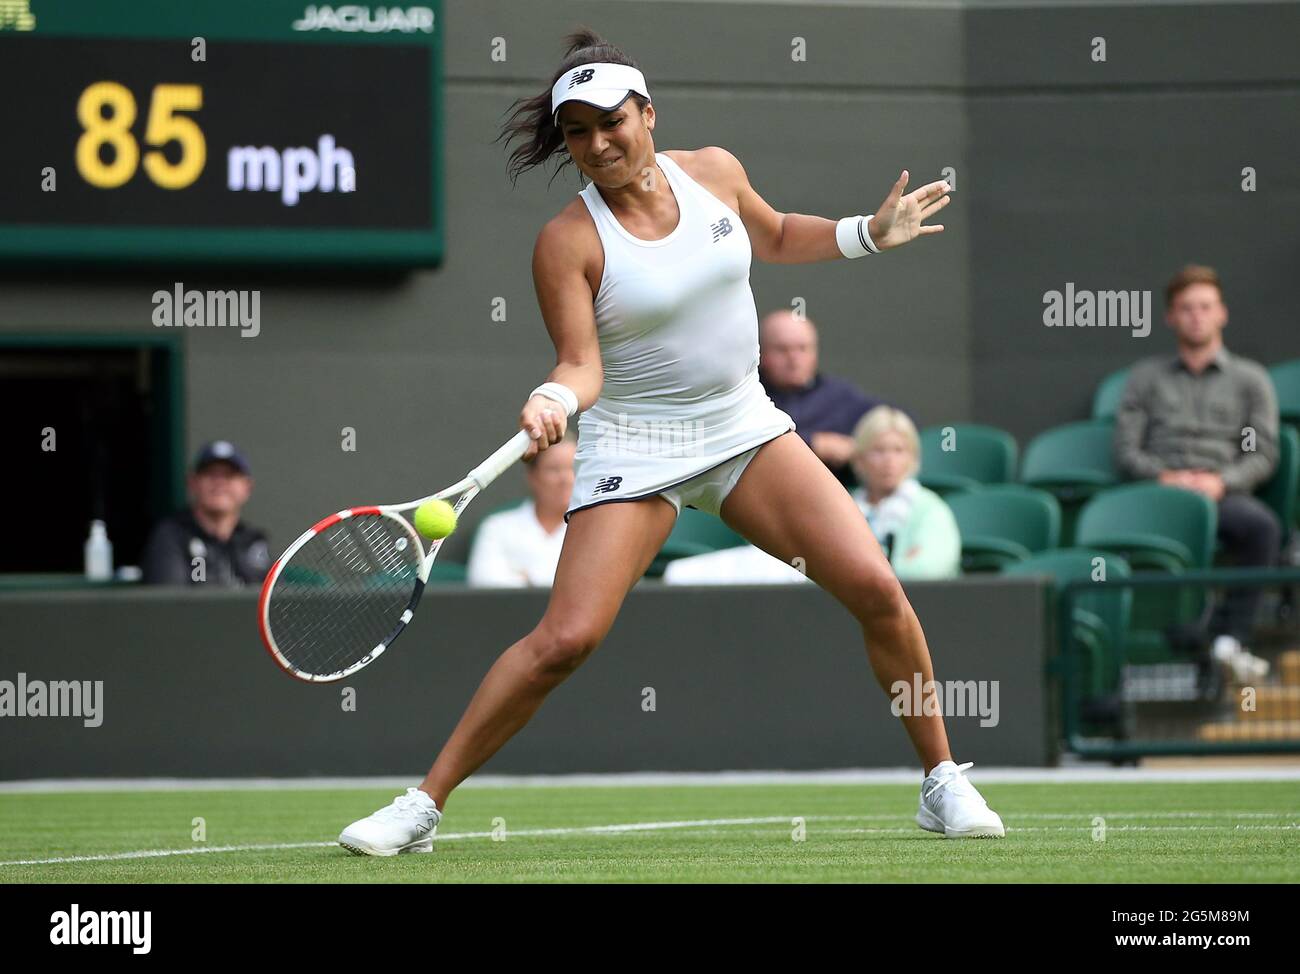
(582, 77)
(721, 229)
(607, 485)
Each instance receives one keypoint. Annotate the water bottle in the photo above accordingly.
(99, 553)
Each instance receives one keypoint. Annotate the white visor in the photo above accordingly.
(603, 85)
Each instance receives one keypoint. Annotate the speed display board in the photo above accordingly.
(251, 131)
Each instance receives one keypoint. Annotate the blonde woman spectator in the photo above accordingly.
(913, 524)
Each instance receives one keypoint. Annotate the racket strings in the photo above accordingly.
(343, 593)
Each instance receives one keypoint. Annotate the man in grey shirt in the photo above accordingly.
(1207, 421)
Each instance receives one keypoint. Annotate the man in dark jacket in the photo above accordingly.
(825, 409)
(208, 544)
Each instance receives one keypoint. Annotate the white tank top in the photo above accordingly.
(675, 317)
(678, 336)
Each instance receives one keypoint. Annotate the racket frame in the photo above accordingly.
(464, 491)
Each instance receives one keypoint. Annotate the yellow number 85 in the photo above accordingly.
(115, 130)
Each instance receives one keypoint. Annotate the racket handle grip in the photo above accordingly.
(499, 462)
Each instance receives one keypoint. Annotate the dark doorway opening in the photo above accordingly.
(93, 430)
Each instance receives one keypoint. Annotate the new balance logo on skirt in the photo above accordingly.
(607, 485)
(721, 229)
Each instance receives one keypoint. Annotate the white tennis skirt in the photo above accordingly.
(630, 450)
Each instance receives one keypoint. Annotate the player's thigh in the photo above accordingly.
(607, 549)
(789, 504)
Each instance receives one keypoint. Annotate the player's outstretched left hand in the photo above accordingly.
(899, 219)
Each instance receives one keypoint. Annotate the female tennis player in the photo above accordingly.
(643, 283)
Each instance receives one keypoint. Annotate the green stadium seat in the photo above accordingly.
(695, 533)
(1076, 455)
(1286, 381)
(1094, 654)
(1004, 523)
(1109, 394)
(979, 455)
(1156, 528)
(1072, 463)
(946, 485)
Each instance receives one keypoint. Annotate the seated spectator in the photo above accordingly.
(913, 524)
(1207, 421)
(823, 407)
(209, 544)
(520, 547)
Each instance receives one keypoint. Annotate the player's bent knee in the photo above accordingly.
(559, 650)
(878, 595)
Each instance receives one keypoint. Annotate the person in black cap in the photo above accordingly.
(208, 544)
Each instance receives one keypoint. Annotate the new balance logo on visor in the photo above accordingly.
(607, 485)
(721, 229)
(582, 77)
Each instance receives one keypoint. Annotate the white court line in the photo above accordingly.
(575, 830)
(161, 853)
(1225, 813)
(711, 824)
(1108, 828)
(849, 776)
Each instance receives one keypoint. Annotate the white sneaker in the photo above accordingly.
(407, 825)
(1244, 666)
(950, 805)
(1248, 668)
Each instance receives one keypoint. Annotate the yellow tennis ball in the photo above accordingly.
(435, 519)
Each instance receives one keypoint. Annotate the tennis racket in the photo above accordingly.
(341, 593)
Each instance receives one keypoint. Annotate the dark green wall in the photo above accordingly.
(1106, 175)
(784, 684)
(1114, 175)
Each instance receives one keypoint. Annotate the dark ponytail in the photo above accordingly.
(531, 119)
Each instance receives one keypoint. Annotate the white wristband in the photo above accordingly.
(562, 394)
(854, 237)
